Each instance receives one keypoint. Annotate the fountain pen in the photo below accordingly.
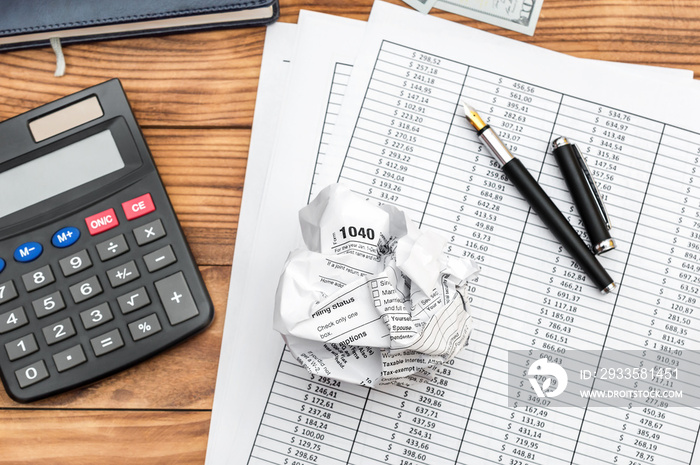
(541, 203)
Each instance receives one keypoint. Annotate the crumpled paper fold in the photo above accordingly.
(373, 299)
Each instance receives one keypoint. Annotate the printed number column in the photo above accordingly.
(407, 115)
(657, 318)
(474, 205)
(308, 419)
(534, 315)
(523, 116)
(341, 77)
(402, 127)
(422, 424)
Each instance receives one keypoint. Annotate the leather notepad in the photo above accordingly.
(32, 23)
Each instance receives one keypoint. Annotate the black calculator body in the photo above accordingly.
(95, 272)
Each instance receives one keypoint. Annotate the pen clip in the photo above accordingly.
(592, 187)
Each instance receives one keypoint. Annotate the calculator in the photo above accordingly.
(95, 272)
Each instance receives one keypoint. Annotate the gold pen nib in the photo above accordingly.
(473, 116)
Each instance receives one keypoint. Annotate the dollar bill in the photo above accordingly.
(516, 15)
(423, 6)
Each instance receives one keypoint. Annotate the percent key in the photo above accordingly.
(144, 327)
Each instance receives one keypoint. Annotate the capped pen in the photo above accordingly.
(586, 197)
(541, 203)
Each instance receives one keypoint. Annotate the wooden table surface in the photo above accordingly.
(194, 96)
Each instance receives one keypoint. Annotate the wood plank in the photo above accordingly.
(645, 32)
(203, 171)
(182, 377)
(206, 79)
(50, 437)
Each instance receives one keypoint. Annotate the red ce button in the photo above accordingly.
(136, 208)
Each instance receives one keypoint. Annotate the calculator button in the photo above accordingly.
(85, 290)
(69, 358)
(8, 291)
(65, 237)
(96, 316)
(32, 374)
(45, 306)
(101, 222)
(21, 347)
(149, 232)
(2, 263)
(107, 342)
(28, 252)
(177, 299)
(144, 327)
(138, 207)
(12, 320)
(133, 300)
(160, 259)
(38, 278)
(58, 331)
(123, 274)
(75, 263)
(113, 247)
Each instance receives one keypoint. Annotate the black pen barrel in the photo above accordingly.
(586, 204)
(557, 224)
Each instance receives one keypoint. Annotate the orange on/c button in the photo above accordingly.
(102, 222)
(136, 208)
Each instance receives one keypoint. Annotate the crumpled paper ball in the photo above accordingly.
(373, 299)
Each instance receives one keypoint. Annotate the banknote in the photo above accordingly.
(516, 15)
(423, 6)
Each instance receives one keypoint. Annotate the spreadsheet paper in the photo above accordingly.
(401, 138)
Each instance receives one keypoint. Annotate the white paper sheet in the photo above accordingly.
(521, 90)
(268, 228)
(317, 420)
(234, 415)
(327, 48)
(243, 328)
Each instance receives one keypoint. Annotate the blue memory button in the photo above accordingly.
(2, 265)
(28, 251)
(65, 237)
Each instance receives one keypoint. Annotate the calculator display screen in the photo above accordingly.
(58, 172)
